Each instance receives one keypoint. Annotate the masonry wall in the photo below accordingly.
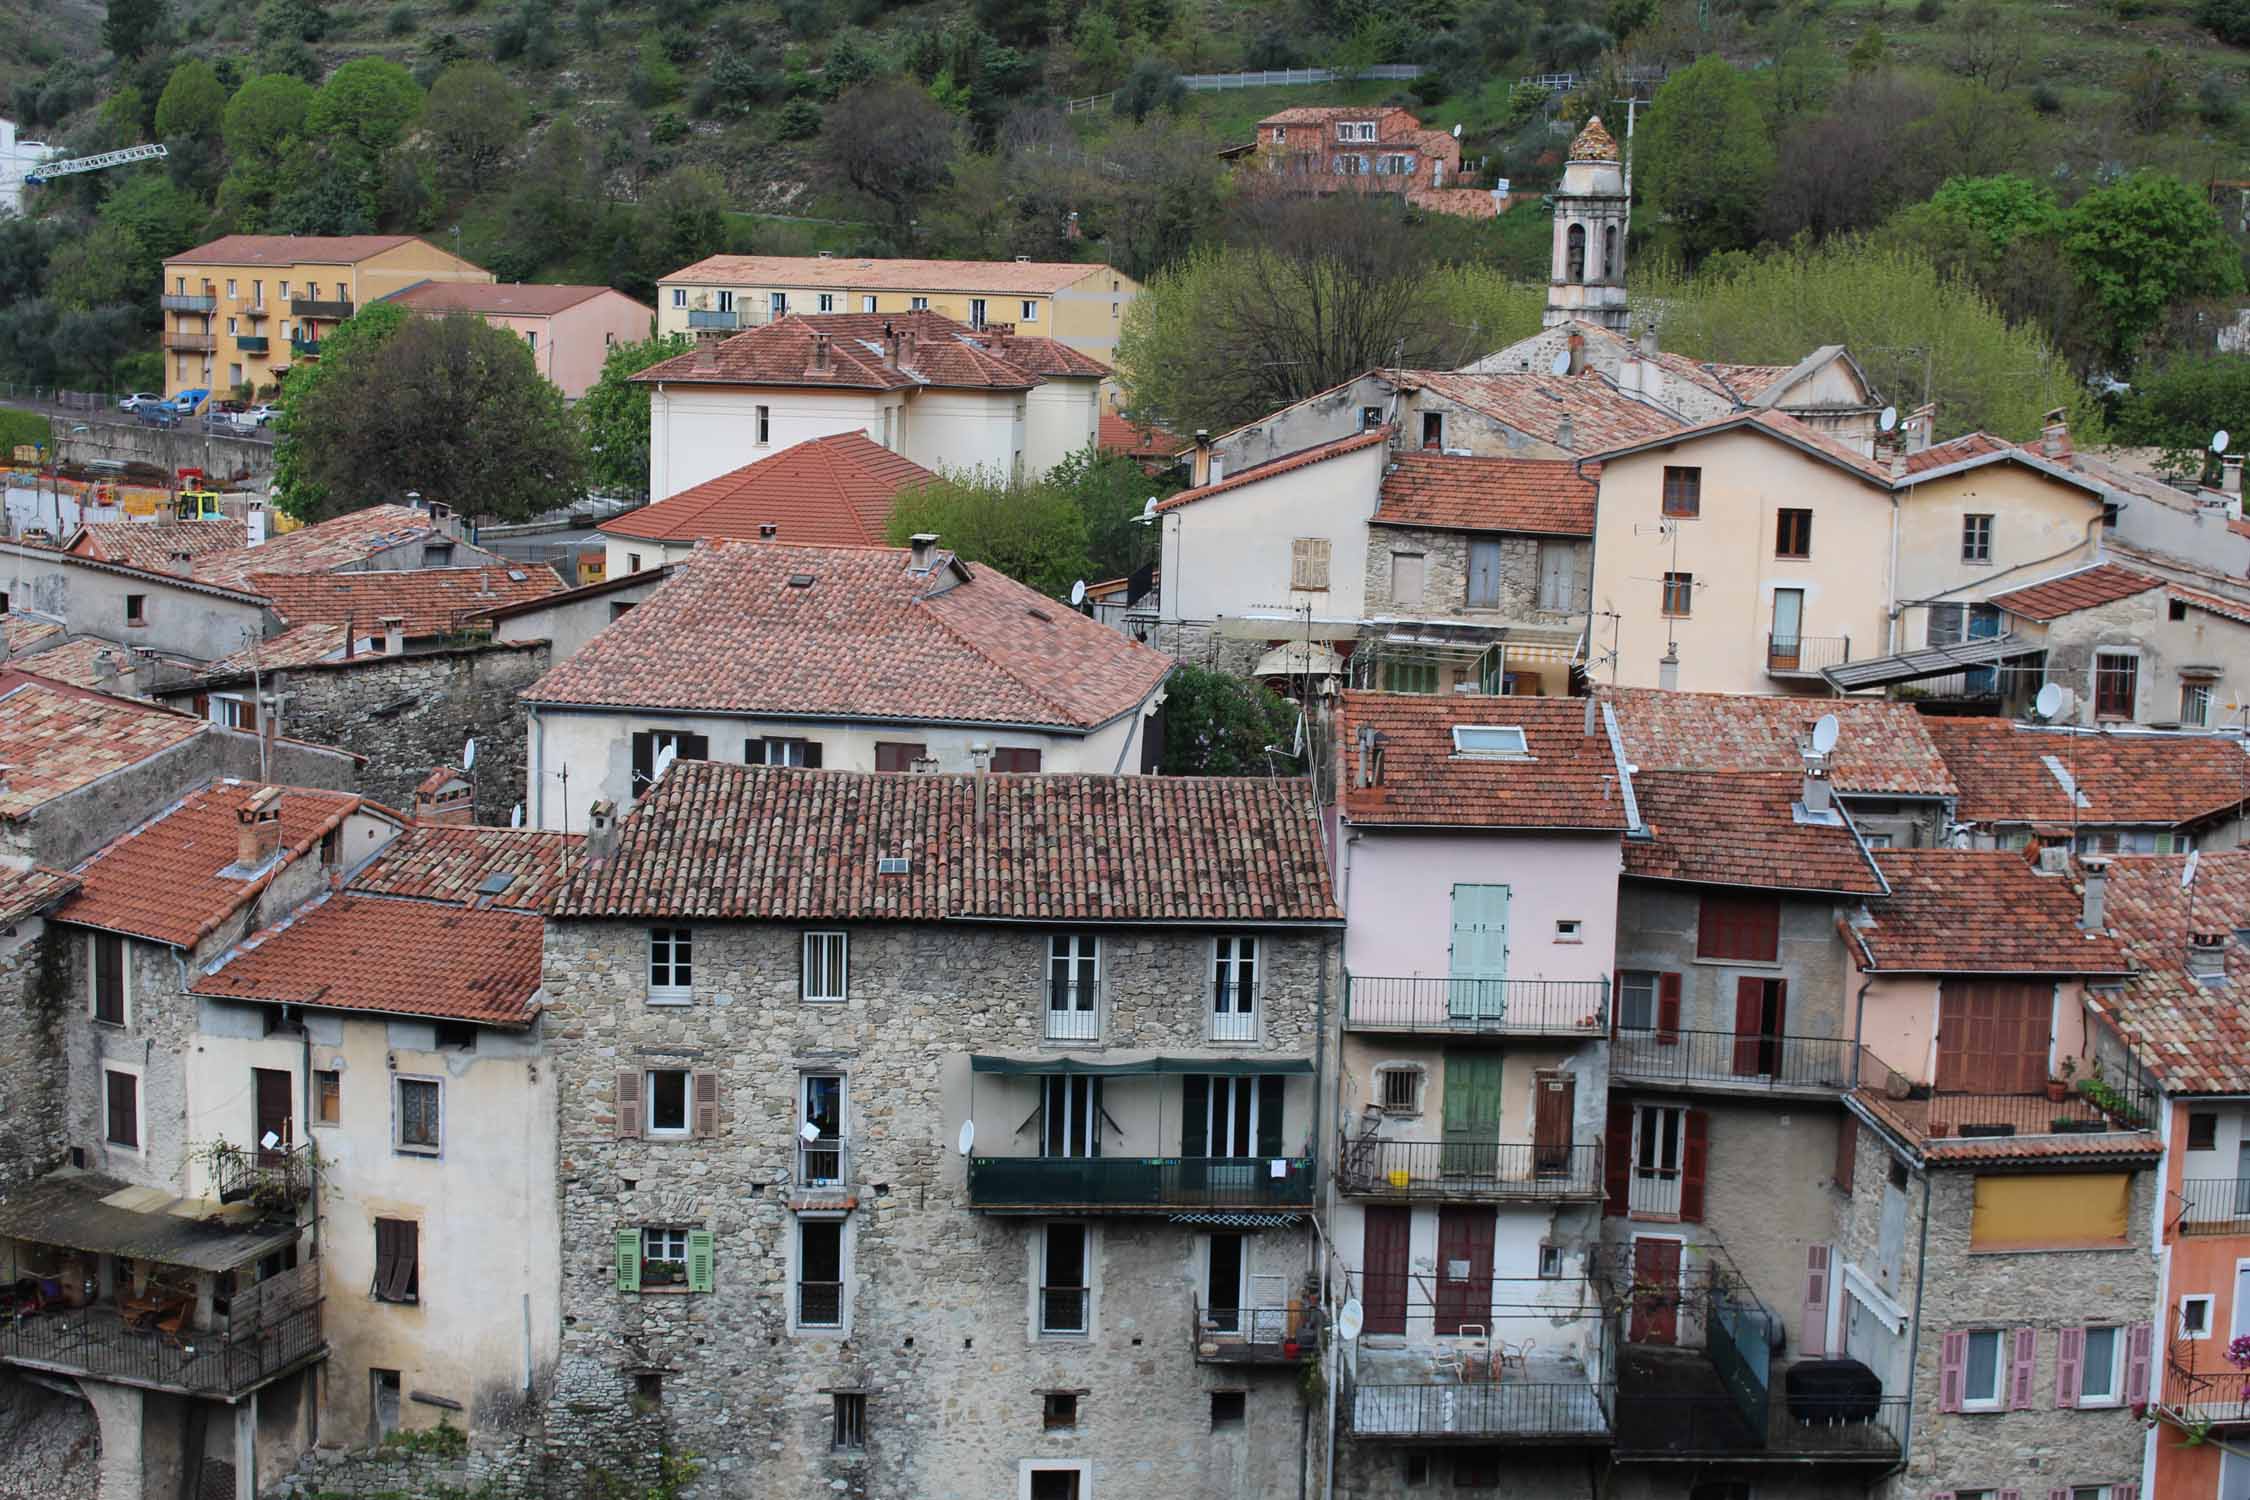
(34, 979)
(1445, 586)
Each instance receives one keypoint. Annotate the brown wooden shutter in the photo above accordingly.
(628, 1103)
(386, 1255)
(1695, 1165)
(1847, 1152)
(1668, 1009)
(406, 1243)
(1749, 1017)
(706, 1104)
(1617, 1159)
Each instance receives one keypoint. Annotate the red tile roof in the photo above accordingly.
(1036, 277)
(336, 543)
(1775, 424)
(832, 491)
(290, 249)
(451, 863)
(1043, 356)
(1883, 748)
(1302, 458)
(1569, 779)
(1121, 434)
(2194, 1036)
(863, 637)
(1594, 143)
(2230, 609)
(298, 646)
(1601, 416)
(1544, 495)
(158, 546)
(1746, 383)
(1956, 450)
(432, 601)
(768, 843)
(938, 352)
(165, 881)
(2136, 777)
(1958, 911)
(408, 958)
(1740, 828)
(73, 661)
(23, 892)
(21, 632)
(1912, 1118)
(515, 299)
(2081, 588)
(56, 738)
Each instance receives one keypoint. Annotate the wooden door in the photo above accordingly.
(1464, 1283)
(1656, 1291)
(1472, 1114)
(1551, 1119)
(1480, 952)
(1388, 1233)
(276, 1115)
(1992, 1036)
(1758, 1017)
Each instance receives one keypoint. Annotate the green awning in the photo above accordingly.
(1225, 1067)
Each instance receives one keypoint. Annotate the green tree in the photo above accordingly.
(367, 103)
(106, 266)
(356, 338)
(1996, 210)
(451, 408)
(614, 415)
(266, 118)
(2178, 408)
(1033, 533)
(2141, 245)
(473, 120)
(893, 146)
(131, 28)
(1220, 725)
(1704, 157)
(165, 217)
(1111, 493)
(193, 105)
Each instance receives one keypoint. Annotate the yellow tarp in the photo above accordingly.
(2065, 1211)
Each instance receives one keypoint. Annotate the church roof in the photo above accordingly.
(1594, 143)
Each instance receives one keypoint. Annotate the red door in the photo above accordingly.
(1992, 1037)
(1758, 1015)
(1656, 1291)
(1464, 1287)
(1383, 1259)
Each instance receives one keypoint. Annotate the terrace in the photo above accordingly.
(2114, 1114)
(1421, 1395)
(1475, 1006)
(1731, 1061)
(1469, 1171)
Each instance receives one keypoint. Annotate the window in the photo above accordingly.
(2195, 704)
(1070, 1115)
(230, 286)
(2202, 1131)
(136, 609)
(531, 339)
(1490, 741)
(820, 1133)
(1792, 533)
(1308, 563)
(2195, 1316)
(774, 751)
(122, 1117)
(1679, 594)
(1062, 1279)
(1409, 676)
(917, 304)
(1683, 491)
(1370, 417)
(1030, 313)
(649, 744)
(1569, 930)
(899, 755)
(1398, 1091)
(1951, 624)
(765, 425)
(664, 1257)
(2116, 683)
(850, 1431)
(1051, 1483)
(1016, 760)
(1234, 989)
(820, 1273)
(1636, 1000)
(328, 1098)
(976, 312)
(632, 562)
(866, 304)
(666, 1092)
(777, 304)
(106, 950)
(1229, 1409)
(1433, 429)
(438, 555)
(1560, 563)
(419, 1125)
(1409, 570)
(1058, 1411)
(2101, 1374)
(1741, 928)
(671, 964)
(1550, 1262)
(1484, 573)
(1576, 251)
(1074, 967)
(1980, 1370)
(398, 1261)
(1976, 538)
(1417, 1470)
(827, 302)
(1658, 1138)
(824, 967)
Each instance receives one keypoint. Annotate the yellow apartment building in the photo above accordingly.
(1077, 304)
(241, 309)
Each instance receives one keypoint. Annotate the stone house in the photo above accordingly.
(1356, 148)
(2132, 648)
(911, 1146)
(2114, 791)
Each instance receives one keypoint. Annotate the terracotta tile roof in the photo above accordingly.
(1745, 383)
(2231, 609)
(1956, 450)
(298, 646)
(450, 863)
(784, 271)
(289, 249)
(1911, 1118)
(2150, 778)
(516, 299)
(832, 491)
(164, 881)
(646, 578)
(1883, 748)
(23, 892)
(22, 632)
(1120, 434)
(941, 353)
(1568, 781)
(432, 601)
(1959, 911)
(1544, 495)
(1322, 114)
(2194, 1036)
(158, 546)
(2081, 588)
(73, 661)
(56, 738)
(319, 548)
(1777, 424)
(1461, 202)
(410, 958)
(1302, 458)
(764, 842)
(1594, 143)
(864, 637)
(1740, 828)
(1044, 356)
(1601, 416)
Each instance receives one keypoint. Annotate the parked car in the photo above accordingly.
(260, 415)
(140, 399)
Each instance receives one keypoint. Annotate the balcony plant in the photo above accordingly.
(2058, 1088)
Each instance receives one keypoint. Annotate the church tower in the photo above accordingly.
(1586, 277)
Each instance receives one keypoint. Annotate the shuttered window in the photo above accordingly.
(398, 1261)
(1484, 574)
(122, 1095)
(898, 755)
(1308, 563)
(650, 742)
(1739, 927)
(108, 961)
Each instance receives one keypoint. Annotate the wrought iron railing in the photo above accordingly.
(1786, 654)
(1368, 1167)
(2198, 1395)
(824, 1163)
(1559, 1411)
(1249, 1334)
(2215, 1205)
(1062, 1309)
(1524, 1007)
(1128, 1182)
(189, 302)
(97, 1343)
(1713, 1425)
(273, 1181)
(1067, 1019)
(1738, 1059)
(820, 1304)
(2088, 1106)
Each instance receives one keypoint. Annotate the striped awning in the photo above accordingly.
(1238, 1220)
(1232, 1067)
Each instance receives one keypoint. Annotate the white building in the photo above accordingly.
(17, 156)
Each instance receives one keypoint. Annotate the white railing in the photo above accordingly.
(1203, 83)
(1234, 1026)
(1655, 1194)
(1067, 1021)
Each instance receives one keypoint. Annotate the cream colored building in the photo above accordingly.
(240, 309)
(1082, 305)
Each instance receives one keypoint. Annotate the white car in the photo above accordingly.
(257, 416)
(140, 399)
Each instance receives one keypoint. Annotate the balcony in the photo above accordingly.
(2201, 1388)
(1116, 1184)
(823, 1164)
(189, 302)
(2214, 1205)
(252, 343)
(1733, 1062)
(253, 310)
(1471, 1171)
(327, 310)
(704, 317)
(304, 348)
(1973, 1123)
(1251, 1335)
(194, 343)
(1681, 1404)
(1805, 655)
(1477, 1007)
(1416, 1395)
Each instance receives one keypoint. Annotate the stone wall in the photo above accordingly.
(156, 1043)
(1445, 580)
(34, 978)
(50, 1444)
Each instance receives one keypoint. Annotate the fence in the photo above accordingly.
(95, 1341)
(1527, 1410)
(1737, 1059)
(1806, 653)
(1569, 1007)
(1140, 1182)
(1204, 83)
(1468, 1169)
(2215, 1205)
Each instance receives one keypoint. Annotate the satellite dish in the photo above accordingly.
(2187, 873)
(1078, 593)
(515, 818)
(2049, 703)
(968, 1135)
(1148, 511)
(469, 754)
(2219, 441)
(1350, 1318)
(664, 757)
(1560, 364)
(1824, 732)
(1457, 132)
(1889, 418)
(809, 1132)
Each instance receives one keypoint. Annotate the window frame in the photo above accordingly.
(411, 1294)
(840, 1225)
(1792, 532)
(1682, 493)
(1406, 566)
(765, 426)
(1079, 949)
(1237, 971)
(671, 939)
(2112, 665)
(1626, 980)
(1998, 1399)
(136, 610)
(848, 1417)
(650, 1130)
(1030, 312)
(1412, 1075)
(95, 939)
(1977, 527)
(1714, 939)
(2195, 702)
(1487, 563)
(2208, 1302)
(834, 965)
(667, 1233)
(111, 1073)
(1084, 1286)
(2115, 1394)
(328, 1089)
(1678, 596)
(400, 1145)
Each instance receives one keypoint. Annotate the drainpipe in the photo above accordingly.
(1921, 1283)
(538, 809)
(1335, 1360)
(1593, 564)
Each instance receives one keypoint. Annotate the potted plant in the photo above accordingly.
(2058, 1088)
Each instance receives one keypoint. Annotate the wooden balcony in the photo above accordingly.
(193, 343)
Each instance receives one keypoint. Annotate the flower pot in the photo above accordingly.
(1400, 1177)
(2057, 1090)
(1289, 1348)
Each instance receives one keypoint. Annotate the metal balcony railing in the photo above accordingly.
(1653, 1424)
(189, 302)
(304, 348)
(820, 1304)
(249, 309)
(273, 1181)
(1062, 1309)
(1503, 1411)
(1456, 1006)
(251, 343)
(98, 1343)
(704, 317)
(2088, 1106)
(1121, 1183)
(1737, 1060)
(823, 1163)
(2215, 1205)
(329, 309)
(1250, 1335)
(1805, 655)
(1073, 1015)
(1370, 1168)
(205, 343)
(2198, 1394)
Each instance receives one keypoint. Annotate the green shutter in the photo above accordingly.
(1195, 1115)
(628, 1260)
(699, 1260)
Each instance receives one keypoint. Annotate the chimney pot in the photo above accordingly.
(1817, 790)
(258, 828)
(2207, 955)
(2094, 910)
(394, 634)
(601, 829)
(1577, 352)
(1566, 431)
(820, 351)
(1200, 471)
(767, 531)
(1668, 672)
(924, 545)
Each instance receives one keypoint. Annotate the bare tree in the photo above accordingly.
(894, 146)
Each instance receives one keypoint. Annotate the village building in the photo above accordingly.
(1339, 148)
(2093, 792)
(568, 330)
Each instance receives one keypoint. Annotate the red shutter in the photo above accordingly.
(1847, 1152)
(1762, 928)
(2008, 1494)
(1695, 1163)
(1814, 1334)
(1668, 1009)
(2022, 1367)
(706, 1104)
(2139, 1340)
(1953, 1361)
(1749, 1018)
(628, 1103)
(2070, 1359)
(1617, 1159)
(2124, 1492)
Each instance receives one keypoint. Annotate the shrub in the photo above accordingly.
(400, 22)
(800, 120)
(1928, 11)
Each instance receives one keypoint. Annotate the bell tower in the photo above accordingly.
(1586, 277)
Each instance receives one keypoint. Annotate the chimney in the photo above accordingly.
(2054, 437)
(601, 830)
(1648, 340)
(924, 544)
(258, 828)
(767, 531)
(2094, 911)
(2207, 956)
(1816, 796)
(1590, 711)
(269, 724)
(1200, 474)
(446, 798)
(1668, 670)
(905, 347)
(1577, 352)
(2230, 474)
(820, 351)
(1070, 226)
(1914, 432)
(1371, 742)
(105, 671)
(706, 356)
(394, 634)
(925, 765)
(254, 524)
(1566, 431)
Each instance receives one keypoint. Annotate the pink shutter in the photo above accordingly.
(2070, 1360)
(2022, 1367)
(2124, 1492)
(1814, 1332)
(2138, 1342)
(628, 1103)
(2058, 1495)
(1941, 1495)
(2008, 1494)
(1953, 1360)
